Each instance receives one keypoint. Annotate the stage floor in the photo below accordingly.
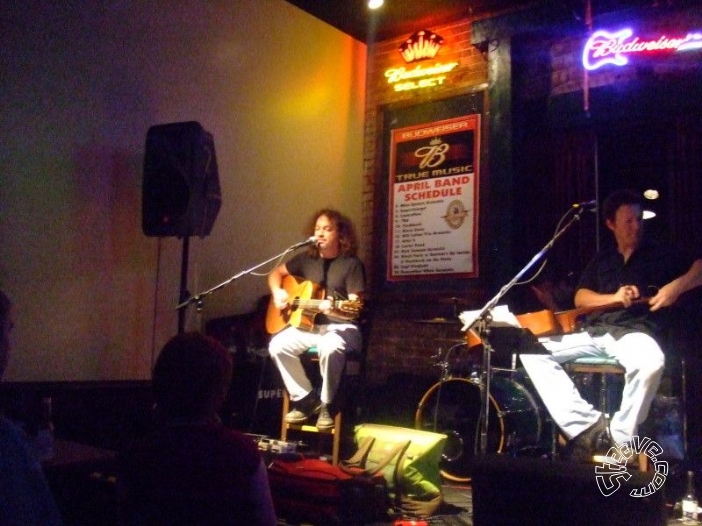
(457, 510)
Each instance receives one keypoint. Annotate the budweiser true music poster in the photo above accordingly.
(433, 216)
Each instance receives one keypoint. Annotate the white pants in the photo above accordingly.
(638, 353)
(331, 341)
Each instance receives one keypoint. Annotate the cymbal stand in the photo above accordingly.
(445, 373)
(483, 321)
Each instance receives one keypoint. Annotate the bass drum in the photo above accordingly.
(452, 407)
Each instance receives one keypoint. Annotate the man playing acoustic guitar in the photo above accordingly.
(331, 267)
(643, 278)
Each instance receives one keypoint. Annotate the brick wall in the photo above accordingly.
(399, 344)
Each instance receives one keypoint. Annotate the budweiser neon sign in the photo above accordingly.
(419, 77)
(422, 45)
(604, 47)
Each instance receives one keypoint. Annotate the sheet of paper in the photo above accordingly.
(501, 317)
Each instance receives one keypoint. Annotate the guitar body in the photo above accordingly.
(540, 323)
(569, 320)
(548, 323)
(294, 315)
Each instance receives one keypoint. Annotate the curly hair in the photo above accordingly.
(348, 241)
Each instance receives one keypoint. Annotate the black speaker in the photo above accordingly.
(181, 193)
(534, 491)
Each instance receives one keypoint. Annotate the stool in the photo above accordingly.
(352, 369)
(603, 367)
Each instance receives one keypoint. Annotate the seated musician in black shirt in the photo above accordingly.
(645, 278)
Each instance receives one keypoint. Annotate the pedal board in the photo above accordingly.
(268, 445)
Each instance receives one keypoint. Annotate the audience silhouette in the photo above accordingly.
(192, 469)
(25, 497)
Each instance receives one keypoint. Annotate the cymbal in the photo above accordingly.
(453, 300)
(453, 341)
(441, 321)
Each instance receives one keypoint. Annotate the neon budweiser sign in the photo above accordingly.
(605, 47)
(420, 46)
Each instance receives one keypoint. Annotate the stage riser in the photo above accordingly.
(518, 491)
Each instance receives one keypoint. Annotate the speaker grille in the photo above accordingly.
(181, 192)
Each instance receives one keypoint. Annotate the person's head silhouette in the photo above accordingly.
(191, 378)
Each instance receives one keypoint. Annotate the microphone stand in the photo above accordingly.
(198, 298)
(483, 321)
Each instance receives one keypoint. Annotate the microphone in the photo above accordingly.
(588, 205)
(308, 241)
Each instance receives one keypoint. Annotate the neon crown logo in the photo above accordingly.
(421, 45)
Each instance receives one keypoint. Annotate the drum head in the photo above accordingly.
(453, 407)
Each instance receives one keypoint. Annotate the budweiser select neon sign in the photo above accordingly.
(420, 46)
(605, 47)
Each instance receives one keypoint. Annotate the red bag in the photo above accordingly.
(316, 492)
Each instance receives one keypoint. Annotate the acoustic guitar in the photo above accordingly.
(548, 323)
(305, 298)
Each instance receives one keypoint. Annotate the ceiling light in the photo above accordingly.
(375, 4)
(649, 214)
(651, 194)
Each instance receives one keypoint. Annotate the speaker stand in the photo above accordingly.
(184, 294)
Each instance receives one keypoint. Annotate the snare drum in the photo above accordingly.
(453, 407)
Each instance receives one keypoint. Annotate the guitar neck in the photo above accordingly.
(581, 311)
(569, 320)
(303, 303)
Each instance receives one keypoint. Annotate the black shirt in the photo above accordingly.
(650, 267)
(339, 276)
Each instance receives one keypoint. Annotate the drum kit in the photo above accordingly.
(453, 405)
(493, 410)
